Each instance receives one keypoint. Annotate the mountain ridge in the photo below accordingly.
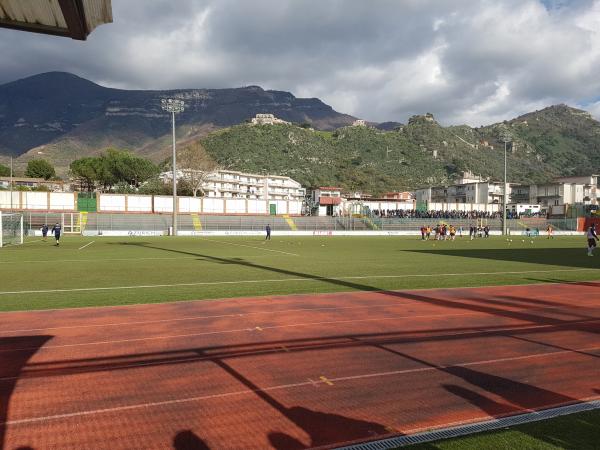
(61, 117)
(42, 113)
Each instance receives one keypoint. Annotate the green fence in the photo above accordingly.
(86, 202)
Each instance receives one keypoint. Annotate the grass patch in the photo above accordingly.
(114, 271)
(575, 431)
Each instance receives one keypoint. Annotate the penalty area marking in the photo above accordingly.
(280, 387)
(89, 243)
(250, 246)
(287, 280)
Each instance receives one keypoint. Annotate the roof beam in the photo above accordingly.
(34, 27)
(74, 15)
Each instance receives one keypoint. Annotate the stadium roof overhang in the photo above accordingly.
(70, 18)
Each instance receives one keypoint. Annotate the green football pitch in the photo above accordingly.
(113, 271)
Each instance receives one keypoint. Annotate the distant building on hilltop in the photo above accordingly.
(421, 117)
(359, 123)
(267, 119)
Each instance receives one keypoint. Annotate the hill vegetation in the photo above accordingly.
(64, 118)
(555, 141)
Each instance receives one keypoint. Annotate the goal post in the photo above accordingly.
(11, 229)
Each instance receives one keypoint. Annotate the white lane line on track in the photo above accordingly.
(181, 319)
(282, 387)
(296, 325)
(89, 243)
(250, 246)
(254, 313)
(238, 330)
(287, 280)
(197, 358)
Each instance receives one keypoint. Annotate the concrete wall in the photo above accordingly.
(38, 201)
(193, 205)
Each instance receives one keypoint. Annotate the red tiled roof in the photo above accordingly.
(330, 200)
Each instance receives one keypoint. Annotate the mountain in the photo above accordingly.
(64, 116)
(556, 141)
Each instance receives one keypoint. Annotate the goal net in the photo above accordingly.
(11, 229)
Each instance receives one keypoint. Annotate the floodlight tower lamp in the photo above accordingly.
(173, 106)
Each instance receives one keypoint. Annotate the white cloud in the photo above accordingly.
(473, 61)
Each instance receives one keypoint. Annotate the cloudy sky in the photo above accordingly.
(466, 61)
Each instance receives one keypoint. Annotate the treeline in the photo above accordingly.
(36, 168)
(114, 170)
(123, 172)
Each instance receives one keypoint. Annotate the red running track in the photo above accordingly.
(293, 372)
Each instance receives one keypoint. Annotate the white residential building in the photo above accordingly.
(563, 191)
(234, 184)
(229, 183)
(482, 192)
(567, 191)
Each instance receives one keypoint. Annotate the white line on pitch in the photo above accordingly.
(249, 246)
(287, 280)
(31, 242)
(89, 243)
(176, 401)
(97, 260)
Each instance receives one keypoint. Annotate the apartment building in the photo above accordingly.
(229, 183)
(480, 192)
(234, 184)
(567, 191)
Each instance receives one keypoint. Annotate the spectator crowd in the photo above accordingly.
(416, 214)
(453, 214)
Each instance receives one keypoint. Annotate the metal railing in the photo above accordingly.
(187, 222)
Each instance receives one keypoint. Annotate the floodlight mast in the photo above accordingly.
(173, 106)
(505, 196)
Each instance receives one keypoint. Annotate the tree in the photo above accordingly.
(85, 171)
(113, 168)
(124, 166)
(4, 171)
(40, 168)
(155, 186)
(196, 165)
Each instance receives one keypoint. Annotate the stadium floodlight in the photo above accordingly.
(506, 140)
(173, 106)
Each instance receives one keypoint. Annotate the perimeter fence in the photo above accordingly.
(78, 222)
